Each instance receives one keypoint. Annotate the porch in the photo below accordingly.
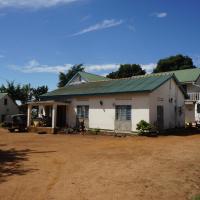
(194, 96)
(47, 116)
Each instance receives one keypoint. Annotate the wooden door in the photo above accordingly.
(160, 117)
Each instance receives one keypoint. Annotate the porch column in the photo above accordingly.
(41, 110)
(54, 115)
(29, 115)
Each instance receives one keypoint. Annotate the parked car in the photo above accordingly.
(16, 122)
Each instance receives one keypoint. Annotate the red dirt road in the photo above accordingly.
(73, 167)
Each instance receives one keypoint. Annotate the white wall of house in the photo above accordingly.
(103, 116)
(162, 96)
(190, 112)
(144, 107)
(10, 109)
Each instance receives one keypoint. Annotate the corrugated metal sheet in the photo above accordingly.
(136, 84)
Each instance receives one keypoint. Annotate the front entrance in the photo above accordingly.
(160, 117)
(61, 116)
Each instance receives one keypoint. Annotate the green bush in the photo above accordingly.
(143, 126)
(197, 197)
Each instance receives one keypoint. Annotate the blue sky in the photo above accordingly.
(39, 38)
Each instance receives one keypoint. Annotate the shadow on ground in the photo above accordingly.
(12, 162)
(181, 132)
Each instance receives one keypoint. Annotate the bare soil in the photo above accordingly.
(73, 167)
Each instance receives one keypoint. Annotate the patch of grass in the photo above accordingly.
(196, 197)
(94, 131)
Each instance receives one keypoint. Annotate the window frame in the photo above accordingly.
(84, 111)
(123, 112)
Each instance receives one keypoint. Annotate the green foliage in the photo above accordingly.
(172, 63)
(23, 93)
(127, 70)
(197, 197)
(37, 92)
(94, 131)
(143, 126)
(65, 78)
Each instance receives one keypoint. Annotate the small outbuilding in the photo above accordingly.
(7, 106)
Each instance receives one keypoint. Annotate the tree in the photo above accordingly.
(127, 70)
(172, 63)
(65, 78)
(23, 93)
(37, 92)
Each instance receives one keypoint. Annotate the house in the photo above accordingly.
(190, 81)
(7, 106)
(114, 105)
(85, 77)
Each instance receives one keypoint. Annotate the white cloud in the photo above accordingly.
(108, 23)
(33, 3)
(160, 15)
(106, 67)
(33, 66)
(148, 67)
(196, 60)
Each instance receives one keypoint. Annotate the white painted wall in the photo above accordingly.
(9, 109)
(161, 96)
(103, 117)
(190, 113)
(144, 107)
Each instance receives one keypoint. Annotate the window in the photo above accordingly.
(185, 87)
(3, 118)
(83, 112)
(123, 113)
(5, 102)
(198, 108)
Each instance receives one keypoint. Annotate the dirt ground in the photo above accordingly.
(73, 167)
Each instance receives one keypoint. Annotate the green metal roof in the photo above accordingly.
(186, 75)
(2, 95)
(146, 83)
(92, 77)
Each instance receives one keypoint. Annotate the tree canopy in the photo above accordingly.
(65, 78)
(172, 63)
(127, 70)
(23, 93)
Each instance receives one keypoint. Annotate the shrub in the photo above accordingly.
(143, 126)
(197, 197)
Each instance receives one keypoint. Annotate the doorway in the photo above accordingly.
(61, 116)
(160, 117)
